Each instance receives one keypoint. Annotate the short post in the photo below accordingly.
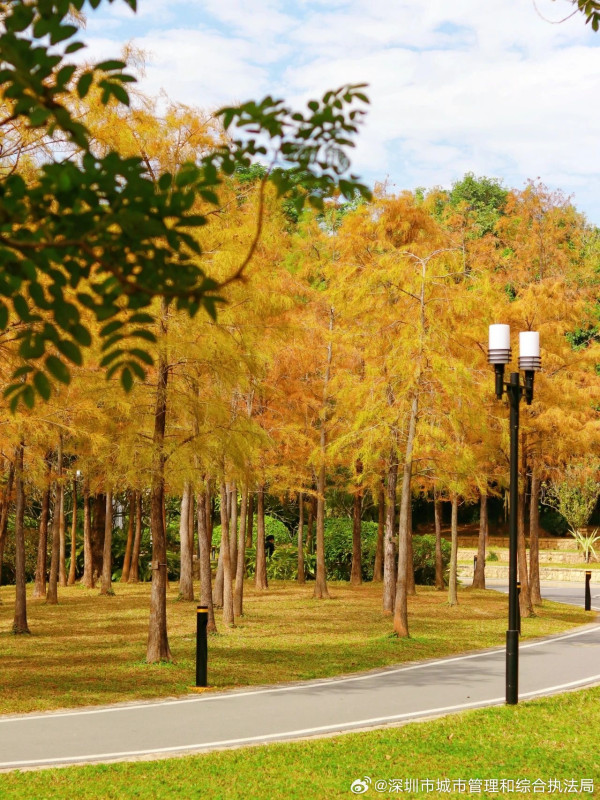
(474, 565)
(201, 646)
(588, 590)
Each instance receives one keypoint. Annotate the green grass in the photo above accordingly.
(90, 649)
(549, 739)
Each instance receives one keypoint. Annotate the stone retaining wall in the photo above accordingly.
(546, 574)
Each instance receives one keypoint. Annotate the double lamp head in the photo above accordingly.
(499, 354)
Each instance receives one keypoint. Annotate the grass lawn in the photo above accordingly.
(91, 649)
(552, 739)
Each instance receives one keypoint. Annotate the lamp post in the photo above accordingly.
(499, 354)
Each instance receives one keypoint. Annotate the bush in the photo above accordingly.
(273, 527)
(338, 548)
(283, 564)
(8, 563)
(553, 522)
(492, 556)
(424, 558)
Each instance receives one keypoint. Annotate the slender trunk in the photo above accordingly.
(62, 571)
(525, 595)
(238, 595)
(321, 592)
(479, 572)
(534, 536)
(219, 578)
(389, 550)
(453, 581)
(401, 604)
(134, 569)
(233, 528)
(20, 620)
(228, 619)
(439, 562)
(204, 545)
(411, 589)
(73, 564)
(6, 498)
(158, 642)
(88, 559)
(39, 589)
(312, 513)
(186, 577)
(106, 585)
(129, 545)
(98, 528)
(52, 593)
(378, 565)
(301, 577)
(260, 577)
(250, 524)
(356, 570)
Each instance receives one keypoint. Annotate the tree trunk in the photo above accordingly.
(238, 595)
(453, 580)
(233, 528)
(479, 573)
(39, 589)
(260, 577)
(389, 550)
(6, 499)
(378, 565)
(129, 545)
(106, 586)
(250, 524)
(158, 642)
(219, 577)
(62, 564)
(401, 603)
(134, 569)
(301, 577)
(312, 513)
(52, 593)
(411, 589)
(186, 574)
(439, 561)
(356, 569)
(228, 619)
(20, 620)
(88, 558)
(321, 592)
(204, 545)
(525, 595)
(73, 564)
(534, 536)
(98, 528)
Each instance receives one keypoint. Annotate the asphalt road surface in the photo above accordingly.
(230, 719)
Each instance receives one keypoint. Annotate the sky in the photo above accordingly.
(495, 87)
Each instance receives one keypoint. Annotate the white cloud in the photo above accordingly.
(489, 87)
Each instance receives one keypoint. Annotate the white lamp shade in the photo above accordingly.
(499, 337)
(529, 344)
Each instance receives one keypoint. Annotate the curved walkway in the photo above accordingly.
(236, 718)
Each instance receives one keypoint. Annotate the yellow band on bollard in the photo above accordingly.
(202, 611)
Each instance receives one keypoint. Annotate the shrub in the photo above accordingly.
(273, 527)
(424, 558)
(492, 556)
(338, 548)
(283, 564)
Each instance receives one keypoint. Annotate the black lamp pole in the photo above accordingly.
(514, 391)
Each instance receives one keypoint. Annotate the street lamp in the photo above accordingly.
(499, 354)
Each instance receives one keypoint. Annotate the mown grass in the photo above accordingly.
(542, 740)
(91, 650)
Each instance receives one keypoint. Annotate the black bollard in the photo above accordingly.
(519, 604)
(474, 565)
(588, 590)
(201, 646)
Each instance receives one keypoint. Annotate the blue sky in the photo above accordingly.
(489, 87)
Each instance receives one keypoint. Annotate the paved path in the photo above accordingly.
(236, 718)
